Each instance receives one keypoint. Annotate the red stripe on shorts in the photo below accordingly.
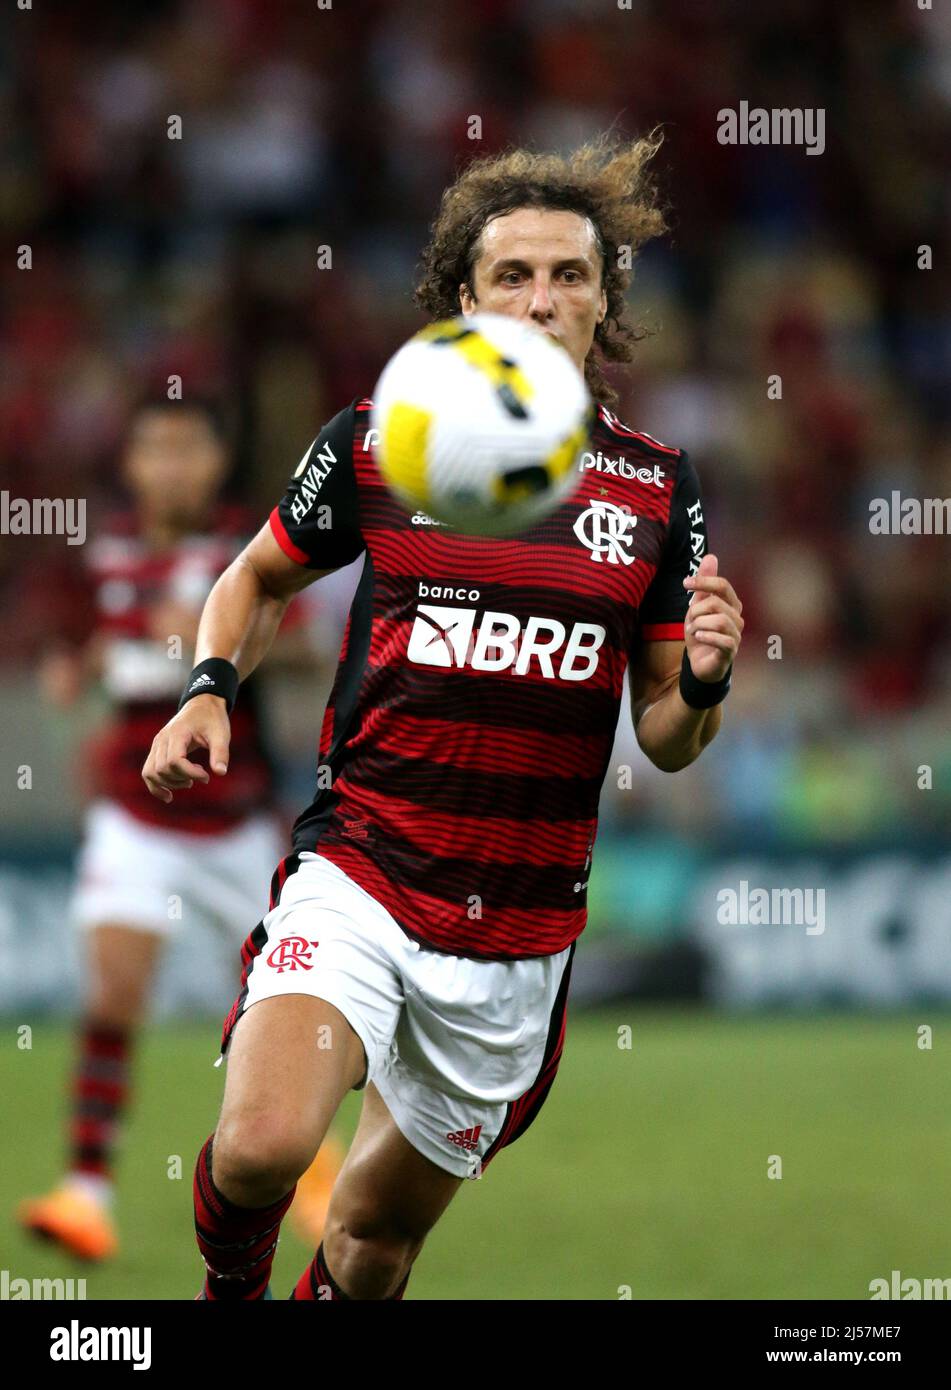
(521, 1112)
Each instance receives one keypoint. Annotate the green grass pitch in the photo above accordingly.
(647, 1168)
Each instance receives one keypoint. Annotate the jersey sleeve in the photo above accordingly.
(317, 521)
(664, 606)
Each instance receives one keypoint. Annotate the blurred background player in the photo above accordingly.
(144, 870)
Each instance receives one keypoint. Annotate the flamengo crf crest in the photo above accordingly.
(605, 528)
(293, 953)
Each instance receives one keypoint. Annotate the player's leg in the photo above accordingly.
(386, 1200)
(497, 1029)
(320, 1001)
(284, 1086)
(120, 971)
(121, 968)
(241, 865)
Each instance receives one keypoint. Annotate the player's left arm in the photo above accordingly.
(688, 605)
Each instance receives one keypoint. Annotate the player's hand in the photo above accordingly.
(201, 723)
(713, 627)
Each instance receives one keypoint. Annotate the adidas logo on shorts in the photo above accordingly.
(465, 1138)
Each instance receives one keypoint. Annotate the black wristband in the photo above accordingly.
(214, 676)
(700, 694)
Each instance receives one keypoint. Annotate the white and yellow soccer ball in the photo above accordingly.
(480, 422)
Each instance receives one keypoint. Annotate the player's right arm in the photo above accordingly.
(313, 531)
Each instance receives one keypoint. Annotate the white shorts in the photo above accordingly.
(462, 1051)
(145, 877)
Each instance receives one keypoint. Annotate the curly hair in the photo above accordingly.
(606, 180)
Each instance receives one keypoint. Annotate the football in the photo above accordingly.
(479, 423)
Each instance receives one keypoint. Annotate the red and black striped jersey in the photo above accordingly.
(128, 580)
(473, 714)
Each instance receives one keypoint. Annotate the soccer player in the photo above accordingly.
(145, 871)
(421, 932)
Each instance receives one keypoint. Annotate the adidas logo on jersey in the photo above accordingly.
(622, 468)
(466, 1139)
(451, 637)
(421, 519)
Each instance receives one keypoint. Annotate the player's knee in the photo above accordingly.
(374, 1251)
(253, 1164)
(122, 962)
(116, 1006)
(370, 1261)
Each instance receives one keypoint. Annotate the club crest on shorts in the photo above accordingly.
(293, 953)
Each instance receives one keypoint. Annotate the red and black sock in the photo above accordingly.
(100, 1095)
(236, 1243)
(317, 1284)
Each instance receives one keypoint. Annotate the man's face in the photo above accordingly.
(541, 265)
(174, 464)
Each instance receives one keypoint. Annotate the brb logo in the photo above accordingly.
(293, 953)
(605, 529)
(451, 637)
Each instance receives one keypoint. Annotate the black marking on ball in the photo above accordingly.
(452, 336)
(511, 402)
(534, 476)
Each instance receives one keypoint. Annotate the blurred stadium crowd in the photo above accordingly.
(304, 127)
